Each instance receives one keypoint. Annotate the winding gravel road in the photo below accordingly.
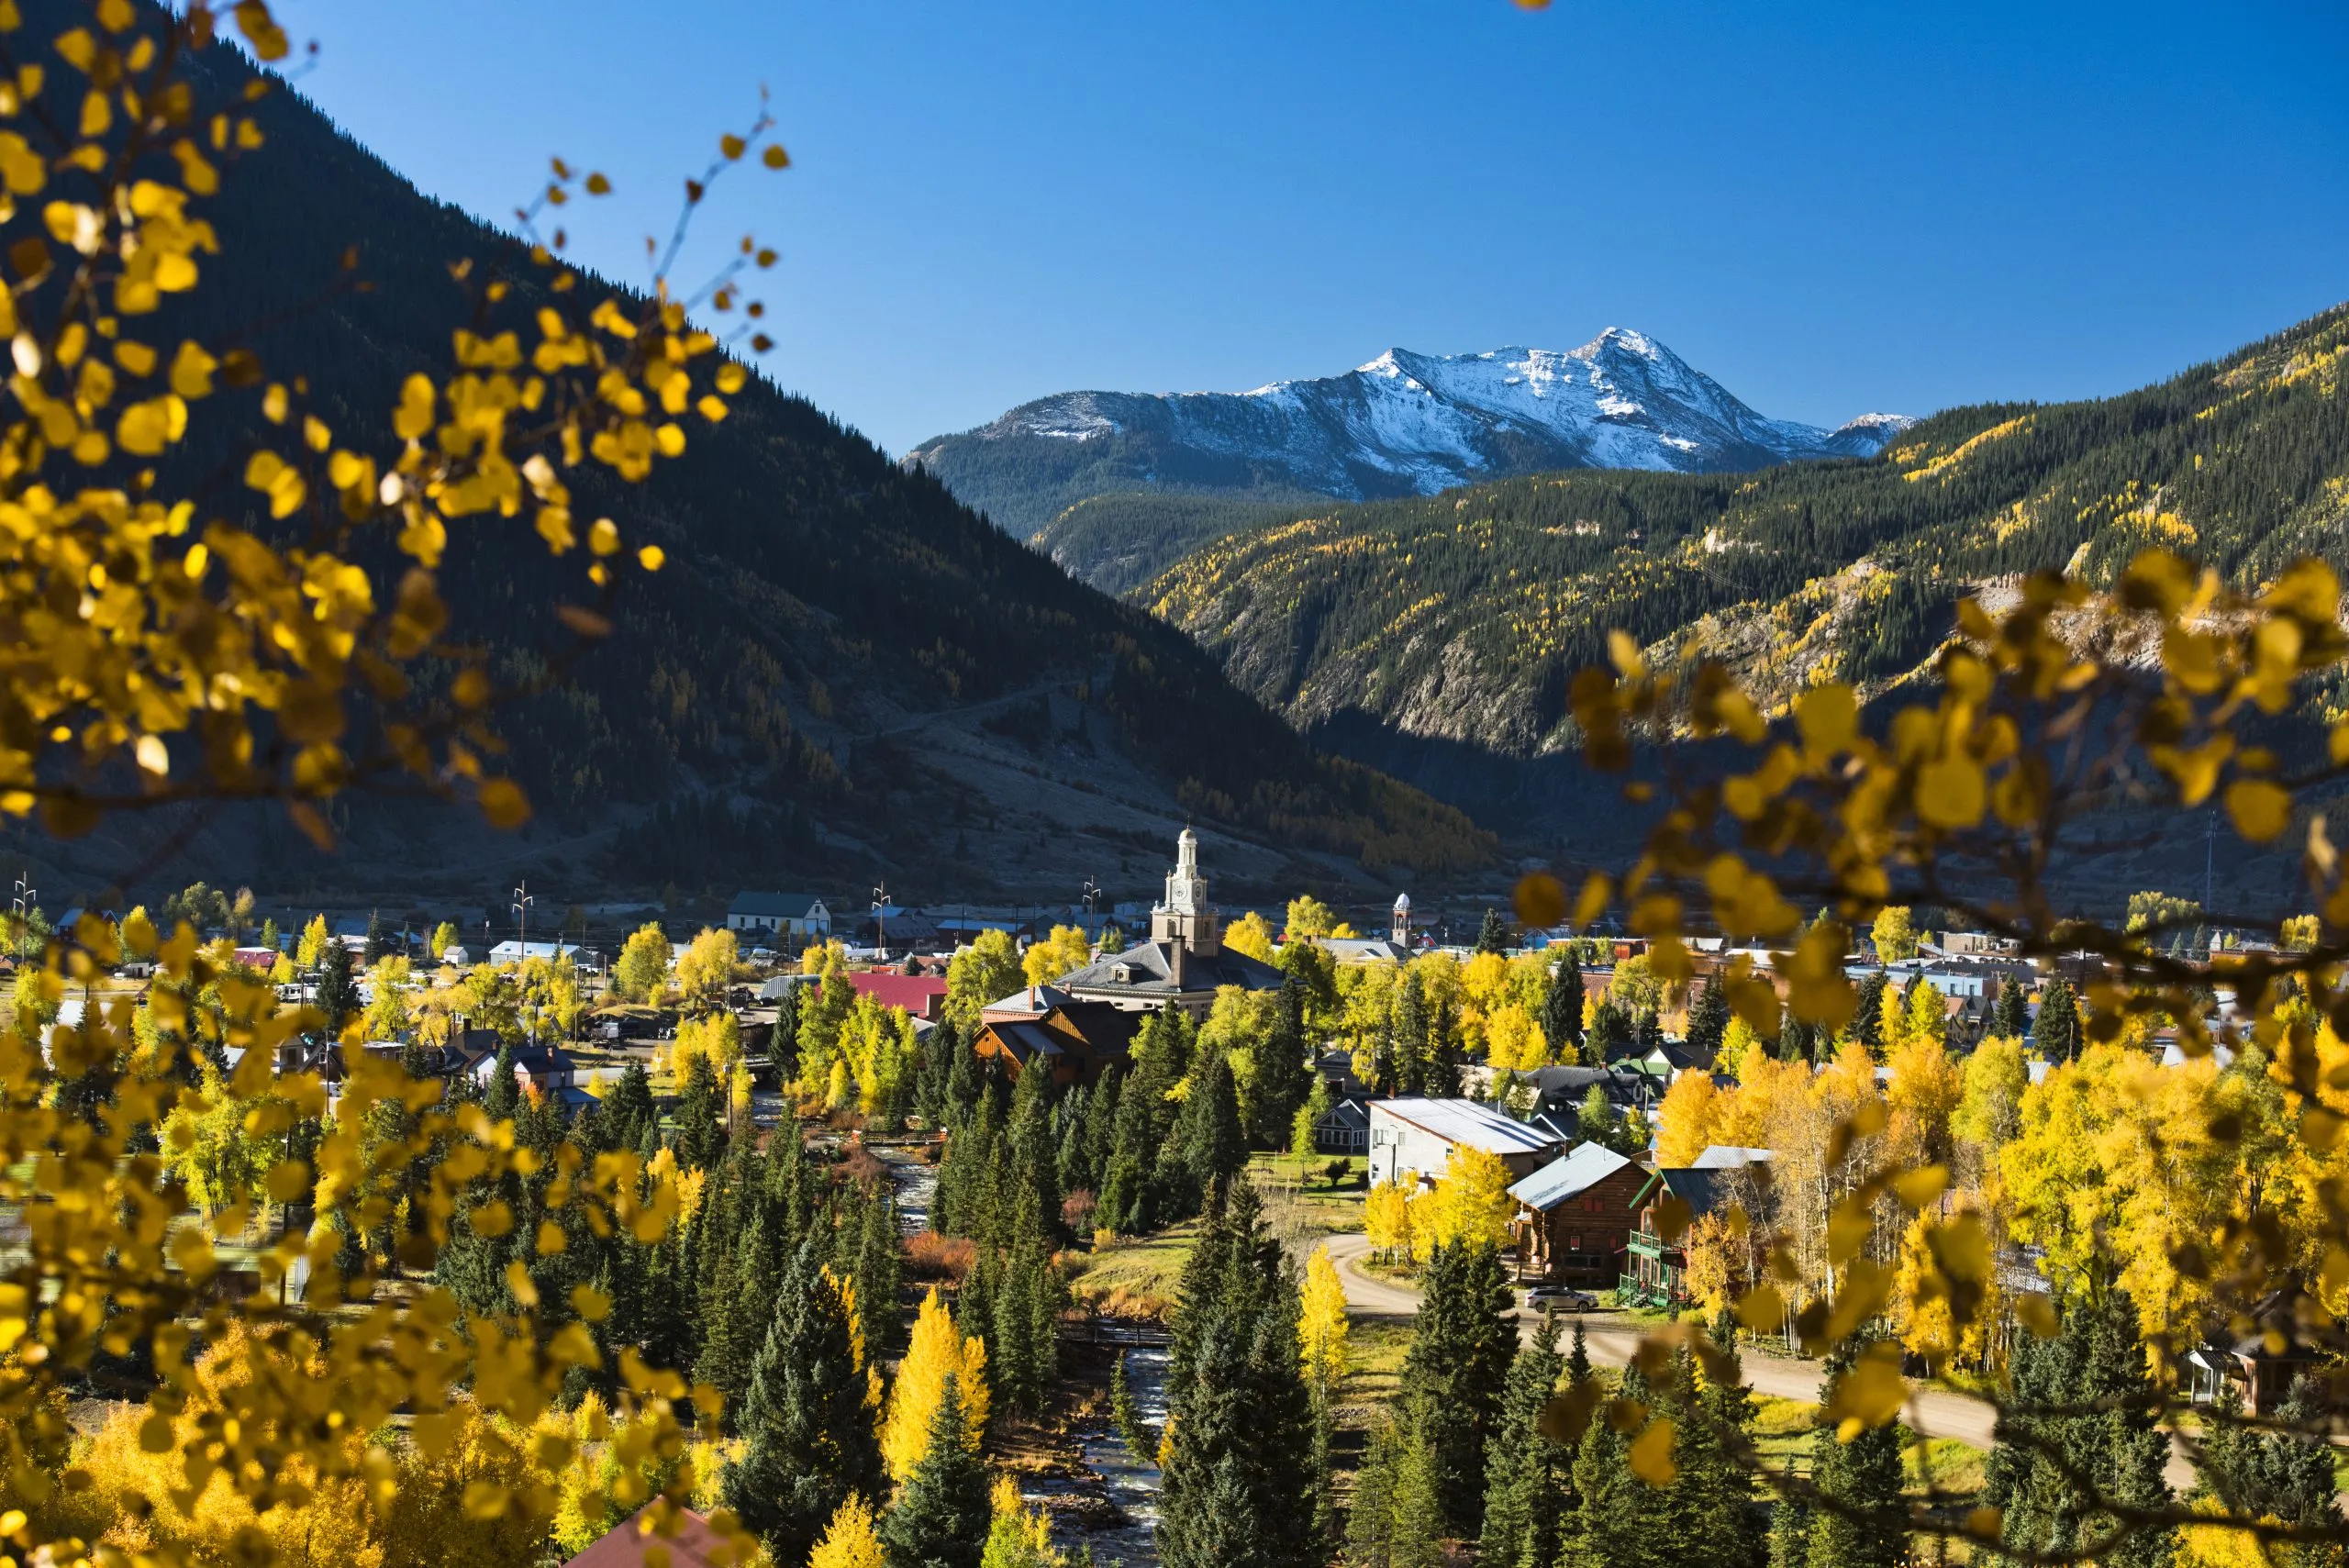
(1934, 1412)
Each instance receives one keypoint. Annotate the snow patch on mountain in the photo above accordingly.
(1405, 423)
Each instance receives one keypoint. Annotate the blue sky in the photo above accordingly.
(1827, 207)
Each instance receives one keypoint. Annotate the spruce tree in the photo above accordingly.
(1868, 1019)
(2282, 1473)
(809, 1437)
(1030, 1196)
(1283, 1077)
(1856, 1524)
(700, 1116)
(1240, 1421)
(1707, 1019)
(2088, 1396)
(878, 1269)
(1578, 1360)
(2057, 1029)
(1462, 1343)
(627, 1110)
(338, 991)
(1408, 1049)
(1100, 1128)
(1524, 1471)
(1207, 1146)
(1492, 935)
(941, 1518)
(1714, 1491)
(1562, 1011)
(1618, 1520)
(2010, 1015)
(505, 1092)
(1396, 1508)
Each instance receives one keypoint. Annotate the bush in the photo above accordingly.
(929, 1256)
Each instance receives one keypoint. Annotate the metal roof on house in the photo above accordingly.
(1584, 1166)
(1147, 970)
(773, 905)
(1730, 1157)
(1469, 1123)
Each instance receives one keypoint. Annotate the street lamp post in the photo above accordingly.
(1092, 900)
(880, 920)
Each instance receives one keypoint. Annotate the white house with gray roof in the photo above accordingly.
(800, 915)
(1412, 1139)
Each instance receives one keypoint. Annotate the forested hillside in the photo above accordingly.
(819, 605)
(1451, 624)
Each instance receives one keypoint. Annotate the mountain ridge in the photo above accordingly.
(1402, 422)
(841, 671)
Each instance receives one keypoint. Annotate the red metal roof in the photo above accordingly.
(923, 995)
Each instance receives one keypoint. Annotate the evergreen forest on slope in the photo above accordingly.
(1451, 624)
(766, 690)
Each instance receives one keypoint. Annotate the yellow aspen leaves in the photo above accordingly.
(2261, 808)
(1650, 1455)
(1868, 1393)
(1950, 792)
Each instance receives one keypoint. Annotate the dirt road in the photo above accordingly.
(1934, 1412)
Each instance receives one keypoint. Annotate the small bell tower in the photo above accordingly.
(1184, 917)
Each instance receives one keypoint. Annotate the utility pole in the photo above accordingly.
(21, 906)
(1092, 900)
(522, 902)
(880, 920)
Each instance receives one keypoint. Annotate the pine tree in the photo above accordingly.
(338, 991)
(2057, 1029)
(1868, 1019)
(1562, 1011)
(1618, 1520)
(1524, 1471)
(1578, 1360)
(941, 1518)
(1207, 1146)
(1396, 1506)
(1030, 1198)
(701, 1131)
(377, 947)
(1408, 1052)
(809, 1438)
(1283, 1077)
(1462, 1343)
(1707, 1019)
(1492, 935)
(2284, 1473)
(1239, 1420)
(505, 1093)
(2010, 1015)
(2102, 1404)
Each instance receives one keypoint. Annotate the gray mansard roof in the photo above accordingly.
(1145, 971)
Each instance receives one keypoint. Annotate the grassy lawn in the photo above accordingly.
(1136, 1277)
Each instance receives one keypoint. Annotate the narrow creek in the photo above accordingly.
(1113, 1508)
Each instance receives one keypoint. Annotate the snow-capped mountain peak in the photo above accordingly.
(1398, 424)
